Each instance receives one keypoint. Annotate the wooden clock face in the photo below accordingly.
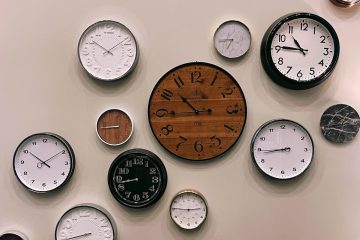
(197, 111)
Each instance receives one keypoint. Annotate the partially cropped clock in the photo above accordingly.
(300, 50)
(108, 50)
(197, 111)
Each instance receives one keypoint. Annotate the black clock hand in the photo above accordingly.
(53, 156)
(286, 149)
(189, 104)
(42, 162)
(297, 44)
(198, 111)
(186, 209)
(103, 48)
(82, 235)
(292, 48)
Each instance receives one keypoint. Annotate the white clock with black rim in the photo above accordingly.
(44, 162)
(282, 149)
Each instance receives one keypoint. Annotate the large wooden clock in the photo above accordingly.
(197, 111)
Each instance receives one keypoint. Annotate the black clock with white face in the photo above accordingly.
(137, 178)
(300, 50)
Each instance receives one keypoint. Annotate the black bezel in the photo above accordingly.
(205, 64)
(274, 73)
(264, 126)
(67, 146)
(151, 157)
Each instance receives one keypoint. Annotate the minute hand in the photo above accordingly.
(297, 44)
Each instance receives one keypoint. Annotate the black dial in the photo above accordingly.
(137, 178)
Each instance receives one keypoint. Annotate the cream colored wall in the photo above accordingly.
(43, 88)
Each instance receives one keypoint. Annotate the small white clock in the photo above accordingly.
(44, 162)
(232, 39)
(108, 50)
(86, 221)
(188, 209)
(282, 149)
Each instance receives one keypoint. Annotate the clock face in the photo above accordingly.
(188, 209)
(114, 127)
(43, 162)
(137, 178)
(197, 111)
(282, 149)
(300, 50)
(108, 50)
(232, 39)
(85, 222)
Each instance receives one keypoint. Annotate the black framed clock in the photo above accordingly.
(137, 178)
(300, 50)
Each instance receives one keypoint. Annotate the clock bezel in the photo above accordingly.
(269, 66)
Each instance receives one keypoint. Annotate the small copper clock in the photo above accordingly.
(197, 111)
(114, 127)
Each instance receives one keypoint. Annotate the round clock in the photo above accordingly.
(340, 123)
(282, 149)
(197, 111)
(345, 3)
(114, 127)
(137, 178)
(188, 209)
(86, 221)
(108, 50)
(13, 235)
(299, 50)
(232, 39)
(44, 162)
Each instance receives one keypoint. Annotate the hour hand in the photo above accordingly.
(189, 104)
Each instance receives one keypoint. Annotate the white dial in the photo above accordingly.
(43, 162)
(232, 39)
(188, 209)
(282, 149)
(108, 50)
(88, 222)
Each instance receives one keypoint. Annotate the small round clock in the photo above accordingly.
(197, 111)
(232, 39)
(137, 178)
(188, 209)
(86, 221)
(300, 50)
(108, 50)
(345, 3)
(114, 127)
(340, 123)
(282, 149)
(13, 235)
(44, 162)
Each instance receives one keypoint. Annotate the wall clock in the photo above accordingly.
(13, 235)
(108, 50)
(86, 221)
(114, 127)
(282, 149)
(197, 111)
(44, 162)
(340, 123)
(345, 3)
(137, 178)
(232, 39)
(188, 209)
(299, 50)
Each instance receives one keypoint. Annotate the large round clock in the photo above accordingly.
(197, 111)
(299, 50)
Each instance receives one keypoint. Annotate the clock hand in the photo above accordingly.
(82, 235)
(292, 48)
(53, 156)
(297, 44)
(186, 209)
(189, 104)
(107, 127)
(106, 51)
(41, 161)
(199, 111)
(286, 149)
(130, 180)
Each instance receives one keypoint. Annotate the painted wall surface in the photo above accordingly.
(44, 88)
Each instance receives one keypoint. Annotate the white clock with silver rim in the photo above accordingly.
(108, 50)
(282, 149)
(44, 162)
(86, 221)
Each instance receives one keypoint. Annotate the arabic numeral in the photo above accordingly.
(167, 130)
(136, 197)
(281, 61)
(282, 38)
(299, 74)
(198, 146)
(155, 179)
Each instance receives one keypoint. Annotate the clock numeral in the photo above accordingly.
(145, 195)
(22, 162)
(43, 184)
(306, 149)
(314, 30)
(282, 126)
(63, 152)
(216, 142)
(281, 61)
(291, 29)
(294, 169)
(227, 92)
(89, 61)
(259, 149)
(130, 52)
(271, 168)
(282, 38)
(152, 188)
(312, 71)
(63, 173)
(32, 181)
(321, 62)
(326, 51)
(161, 112)
(322, 37)
(128, 163)
(118, 179)
(262, 139)
(126, 41)
(127, 194)
(136, 197)
(66, 163)
(167, 94)
(277, 48)
(26, 151)
(214, 79)
(33, 143)
(302, 160)
(138, 161)
(232, 109)
(44, 140)
(271, 130)
(299, 74)
(182, 140)
(25, 173)
(198, 146)
(304, 26)
(55, 182)
(152, 171)
(289, 67)
(155, 179)
(302, 138)
(262, 160)
(146, 163)
(84, 213)
(121, 187)
(282, 172)
(167, 130)
(179, 82)
(196, 77)
(124, 171)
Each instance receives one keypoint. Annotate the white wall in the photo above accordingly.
(44, 88)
